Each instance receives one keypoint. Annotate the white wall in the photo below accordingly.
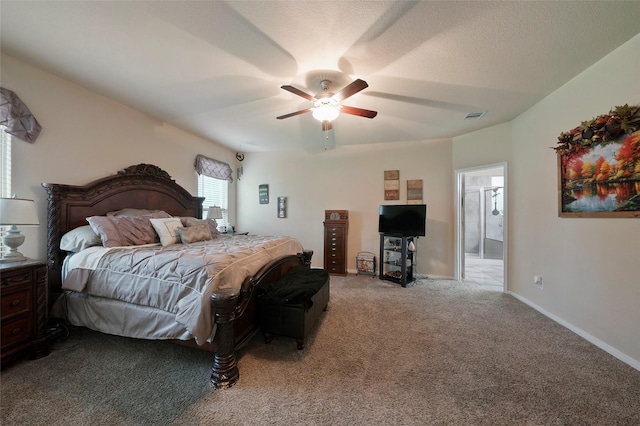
(589, 266)
(351, 178)
(484, 147)
(86, 136)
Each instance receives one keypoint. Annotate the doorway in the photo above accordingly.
(481, 217)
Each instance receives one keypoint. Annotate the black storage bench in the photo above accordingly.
(292, 305)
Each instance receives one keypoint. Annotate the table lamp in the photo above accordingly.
(14, 212)
(214, 212)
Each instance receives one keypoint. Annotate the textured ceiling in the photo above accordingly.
(215, 68)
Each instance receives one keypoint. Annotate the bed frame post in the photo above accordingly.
(224, 371)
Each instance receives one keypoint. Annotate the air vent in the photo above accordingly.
(474, 116)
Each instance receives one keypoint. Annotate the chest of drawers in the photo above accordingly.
(336, 225)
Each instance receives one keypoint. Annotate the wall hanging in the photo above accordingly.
(263, 193)
(392, 184)
(282, 207)
(414, 191)
(599, 166)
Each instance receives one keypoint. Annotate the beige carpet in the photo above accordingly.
(439, 352)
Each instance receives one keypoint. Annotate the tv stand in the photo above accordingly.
(397, 262)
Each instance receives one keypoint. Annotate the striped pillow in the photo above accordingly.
(194, 234)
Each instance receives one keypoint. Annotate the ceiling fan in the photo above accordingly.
(326, 105)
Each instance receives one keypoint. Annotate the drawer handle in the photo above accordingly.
(15, 303)
(16, 331)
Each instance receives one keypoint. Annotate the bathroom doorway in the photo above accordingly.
(481, 212)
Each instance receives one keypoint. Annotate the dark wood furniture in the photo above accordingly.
(397, 262)
(294, 319)
(336, 227)
(24, 310)
(145, 186)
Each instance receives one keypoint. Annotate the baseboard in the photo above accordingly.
(588, 337)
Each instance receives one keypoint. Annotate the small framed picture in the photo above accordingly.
(263, 193)
(282, 207)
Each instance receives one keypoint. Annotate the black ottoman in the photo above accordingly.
(292, 305)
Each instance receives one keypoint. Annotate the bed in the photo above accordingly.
(108, 272)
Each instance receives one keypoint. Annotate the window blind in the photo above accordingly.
(215, 193)
(5, 175)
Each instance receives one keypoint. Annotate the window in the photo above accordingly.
(5, 175)
(213, 184)
(5, 163)
(215, 193)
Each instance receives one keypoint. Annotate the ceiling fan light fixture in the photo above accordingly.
(326, 112)
(326, 105)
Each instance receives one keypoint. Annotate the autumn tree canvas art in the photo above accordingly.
(599, 166)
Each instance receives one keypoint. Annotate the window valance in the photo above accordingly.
(213, 168)
(17, 118)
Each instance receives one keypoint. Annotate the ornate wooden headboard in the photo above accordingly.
(143, 186)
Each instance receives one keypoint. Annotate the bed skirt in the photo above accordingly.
(118, 318)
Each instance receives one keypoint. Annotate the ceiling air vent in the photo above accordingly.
(474, 116)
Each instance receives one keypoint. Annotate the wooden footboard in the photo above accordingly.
(236, 317)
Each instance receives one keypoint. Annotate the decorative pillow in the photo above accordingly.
(166, 229)
(194, 234)
(139, 212)
(79, 239)
(116, 231)
(192, 221)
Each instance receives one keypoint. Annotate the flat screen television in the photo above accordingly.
(408, 220)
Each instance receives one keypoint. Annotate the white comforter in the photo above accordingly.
(179, 278)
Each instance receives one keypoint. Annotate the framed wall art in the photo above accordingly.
(282, 207)
(414, 191)
(263, 193)
(599, 166)
(392, 184)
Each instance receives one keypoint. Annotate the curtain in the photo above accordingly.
(213, 168)
(15, 115)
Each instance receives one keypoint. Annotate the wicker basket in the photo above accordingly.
(366, 263)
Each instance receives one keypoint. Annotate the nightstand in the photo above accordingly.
(24, 310)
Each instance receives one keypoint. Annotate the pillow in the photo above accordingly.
(166, 229)
(79, 239)
(139, 212)
(118, 231)
(194, 234)
(192, 221)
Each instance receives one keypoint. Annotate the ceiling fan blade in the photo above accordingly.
(350, 90)
(298, 92)
(302, 111)
(358, 111)
(326, 125)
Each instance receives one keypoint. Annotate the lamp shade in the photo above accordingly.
(18, 211)
(214, 212)
(325, 113)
